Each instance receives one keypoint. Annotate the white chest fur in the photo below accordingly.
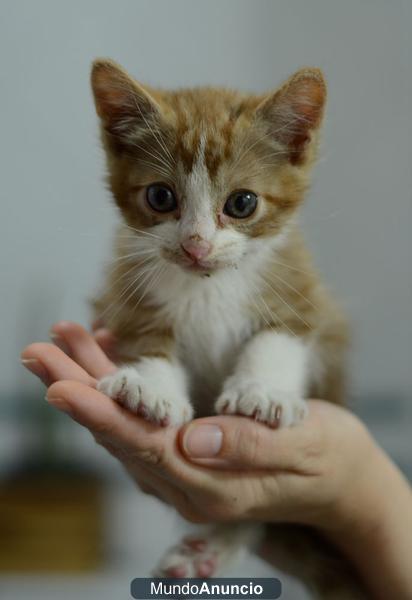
(211, 319)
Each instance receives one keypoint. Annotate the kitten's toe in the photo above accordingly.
(286, 409)
(124, 386)
(255, 399)
(191, 558)
(153, 399)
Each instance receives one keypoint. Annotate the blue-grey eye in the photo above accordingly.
(160, 198)
(240, 204)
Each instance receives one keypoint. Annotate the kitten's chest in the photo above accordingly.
(210, 320)
(209, 332)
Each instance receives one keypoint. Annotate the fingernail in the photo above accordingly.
(203, 441)
(37, 368)
(59, 342)
(60, 404)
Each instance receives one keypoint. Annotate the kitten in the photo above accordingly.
(212, 296)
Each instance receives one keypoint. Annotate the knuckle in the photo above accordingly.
(113, 448)
(314, 447)
(190, 512)
(193, 516)
(151, 456)
(223, 511)
(254, 444)
(244, 442)
(146, 489)
(249, 452)
(102, 430)
(106, 437)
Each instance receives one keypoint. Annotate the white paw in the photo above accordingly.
(152, 390)
(193, 557)
(262, 401)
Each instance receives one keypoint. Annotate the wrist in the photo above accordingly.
(362, 504)
(373, 524)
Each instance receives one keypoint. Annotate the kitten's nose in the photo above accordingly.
(196, 248)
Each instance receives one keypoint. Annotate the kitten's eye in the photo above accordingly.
(160, 198)
(240, 204)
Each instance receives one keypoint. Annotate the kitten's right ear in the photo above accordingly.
(294, 112)
(121, 103)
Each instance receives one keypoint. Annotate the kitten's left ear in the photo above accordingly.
(295, 111)
(120, 100)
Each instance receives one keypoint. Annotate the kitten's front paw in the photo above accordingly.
(158, 399)
(262, 401)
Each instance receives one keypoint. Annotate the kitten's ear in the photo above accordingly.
(295, 111)
(121, 102)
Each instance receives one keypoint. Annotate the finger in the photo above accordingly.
(106, 341)
(131, 439)
(238, 442)
(50, 364)
(83, 348)
(151, 483)
(97, 324)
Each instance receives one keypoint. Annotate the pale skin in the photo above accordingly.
(327, 473)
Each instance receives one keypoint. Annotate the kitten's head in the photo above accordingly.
(208, 176)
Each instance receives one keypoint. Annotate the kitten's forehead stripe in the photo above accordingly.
(213, 120)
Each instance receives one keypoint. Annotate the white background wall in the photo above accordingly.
(55, 216)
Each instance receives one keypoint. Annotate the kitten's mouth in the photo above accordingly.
(198, 267)
(203, 268)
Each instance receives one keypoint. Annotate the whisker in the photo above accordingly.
(141, 277)
(294, 290)
(158, 237)
(249, 148)
(276, 316)
(136, 251)
(154, 155)
(260, 312)
(157, 168)
(297, 119)
(159, 140)
(273, 315)
(295, 312)
(146, 254)
(153, 281)
(132, 237)
(291, 267)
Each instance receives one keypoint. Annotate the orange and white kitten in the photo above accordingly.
(212, 296)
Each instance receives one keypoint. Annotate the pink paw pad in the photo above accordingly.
(178, 571)
(206, 568)
(196, 544)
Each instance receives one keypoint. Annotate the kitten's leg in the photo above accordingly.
(269, 380)
(209, 552)
(155, 388)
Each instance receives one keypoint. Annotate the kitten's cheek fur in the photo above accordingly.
(154, 389)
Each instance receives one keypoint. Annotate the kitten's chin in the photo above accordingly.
(201, 269)
(204, 269)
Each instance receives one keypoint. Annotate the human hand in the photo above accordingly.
(328, 472)
(295, 474)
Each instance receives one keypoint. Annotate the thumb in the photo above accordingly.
(239, 442)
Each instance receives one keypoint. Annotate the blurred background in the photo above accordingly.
(71, 523)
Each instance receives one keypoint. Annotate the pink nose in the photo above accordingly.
(196, 249)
